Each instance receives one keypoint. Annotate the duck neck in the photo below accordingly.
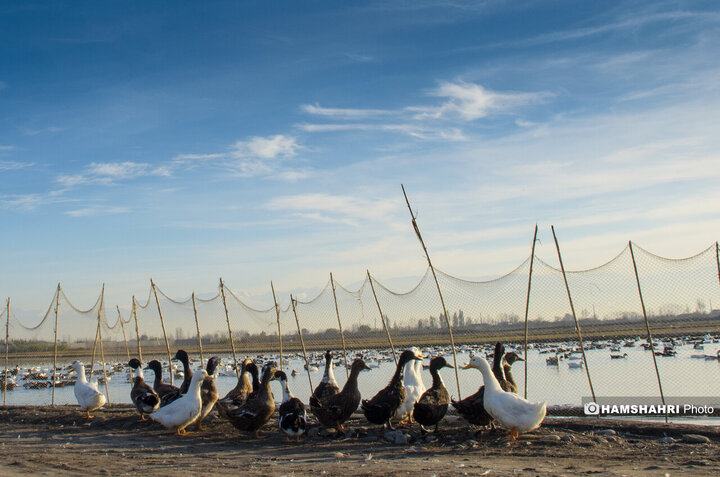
(186, 367)
(287, 395)
(81, 373)
(507, 368)
(399, 372)
(329, 376)
(158, 376)
(437, 381)
(497, 368)
(352, 382)
(491, 382)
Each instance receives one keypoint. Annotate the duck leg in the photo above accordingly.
(389, 425)
(199, 426)
(88, 414)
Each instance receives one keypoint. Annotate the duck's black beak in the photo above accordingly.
(448, 365)
(519, 359)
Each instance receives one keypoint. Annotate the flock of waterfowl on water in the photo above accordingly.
(251, 404)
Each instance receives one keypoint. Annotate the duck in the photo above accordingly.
(338, 408)
(248, 384)
(184, 410)
(166, 392)
(508, 409)
(256, 411)
(208, 391)
(293, 416)
(433, 404)
(509, 383)
(187, 373)
(385, 403)
(87, 394)
(414, 388)
(328, 386)
(142, 395)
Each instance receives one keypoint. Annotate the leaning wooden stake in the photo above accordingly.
(437, 284)
(717, 261)
(277, 314)
(342, 335)
(572, 308)
(92, 359)
(527, 307)
(122, 327)
(382, 317)
(54, 378)
(162, 323)
(227, 318)
(302, 343)
(647, 326)
(7, 350)
(137, 328)
(197, 327)
(102, 353)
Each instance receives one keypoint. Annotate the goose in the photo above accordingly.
(433, 404)
(184, 410)
(141, 394)
(87, 394)
(208, 391)
(339, 407)
(414, 388)
(508, 409)
(187, 373)
(385, 403)
(166, 392)
(256, 411)
(328, 386)
(293, 417)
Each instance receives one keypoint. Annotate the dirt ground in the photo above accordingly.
(60, 441)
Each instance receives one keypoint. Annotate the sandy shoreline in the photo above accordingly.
(59, 441)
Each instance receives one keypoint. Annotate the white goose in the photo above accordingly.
(414, 387)
(87, 394)
(508, 409)
(184, 410)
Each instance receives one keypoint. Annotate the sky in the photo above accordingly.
(259, 141)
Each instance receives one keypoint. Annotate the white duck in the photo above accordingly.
(414, 387)
(87, 394)
(184, 410)
(508, 409)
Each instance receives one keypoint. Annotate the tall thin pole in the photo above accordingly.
(227, 318)
(277, 314)
(572, 308)
(57, 305)
(162, 323)
(302, 343)
(437, 284)
(137, 328)
(92, 359)
(382, 317)
(197, 327)
(102, 353)
(717, 260)
(527, 307)
(122, 327)
(7, 350)
(647, 326)
(342, 335)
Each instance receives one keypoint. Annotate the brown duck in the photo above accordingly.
(433, 404)
(339, 407)
(256, 411)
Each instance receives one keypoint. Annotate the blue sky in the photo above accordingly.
(262, 141)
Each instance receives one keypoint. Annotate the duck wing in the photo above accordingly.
(384, 404)
(472, 408)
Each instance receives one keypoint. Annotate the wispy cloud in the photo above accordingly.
(13, 165)
(415, 130)
(344, 113)
(343, 209)
(266, 147)
(28, 202)
(95, 211)
(107, 173)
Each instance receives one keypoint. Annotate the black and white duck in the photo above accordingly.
(208, 391)
(383, 406)
(141, 394)
(183, 357)
(166, 392)
(338, 408)
(256, 411)
(328, 386)
(293, 417)
(433, 404)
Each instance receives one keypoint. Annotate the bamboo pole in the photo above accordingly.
(277, 313)
(382, 317)
(122, 327)
(572, 308)
(162, 323)
(137, 328)
(92, 359)
(527, 307)
(57, 305)
(717, 260)
(437, 284)
(7, 350)
(302, 343)
(647, 326)
(102, 353)
(342, 335)
(227, 318)
(197, 327)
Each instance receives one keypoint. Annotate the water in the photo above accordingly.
(682, 376)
